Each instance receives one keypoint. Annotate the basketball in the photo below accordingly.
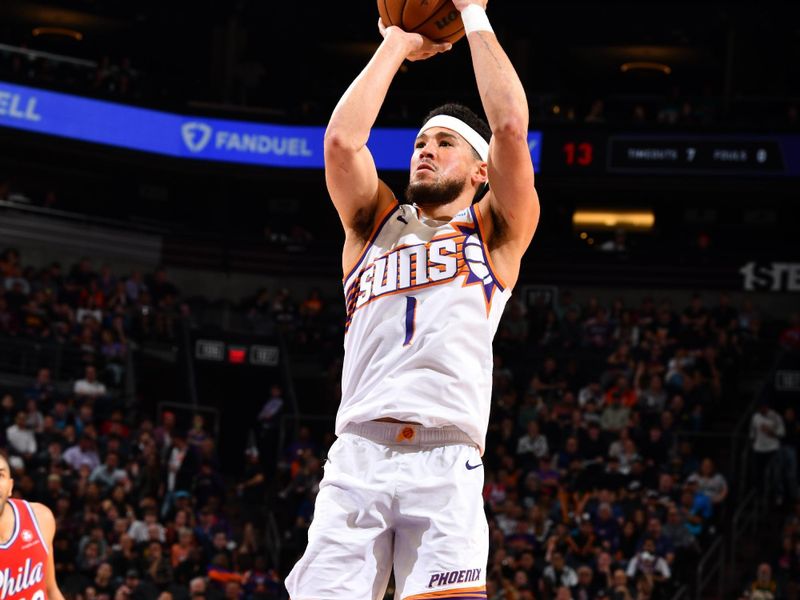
(438, 20)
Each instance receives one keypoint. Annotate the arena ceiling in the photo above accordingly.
(252, 53)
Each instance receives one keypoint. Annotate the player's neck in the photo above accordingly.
(444, 212)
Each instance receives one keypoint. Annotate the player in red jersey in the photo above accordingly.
(27, 571)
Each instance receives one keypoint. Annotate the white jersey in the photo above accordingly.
(423, 304)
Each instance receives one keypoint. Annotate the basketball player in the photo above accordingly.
(425, 285)
(27, 571)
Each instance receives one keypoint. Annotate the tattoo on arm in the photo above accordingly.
(488, 47)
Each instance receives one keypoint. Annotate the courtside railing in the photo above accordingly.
(745, 520)
(273, 540)
(711, 565)
(682, 593)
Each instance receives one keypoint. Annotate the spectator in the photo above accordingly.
(103, 582)
(652, 397)
(312, 306)
(164, 432)
(109, 474)
(766, 432)
(724, 315)
(597, 331)
(207, 484)
(42, 391)
(197, 434)
(252, 489)
(134, 588)
(711, 483)
(788, 452)
(135, 286)
(182, 549)
(588, 587)
(113, 352)
(619, 589)
(764, 586)
(622, 391)
(147, 528)
(21, 439)
(82, 454)
(653, 566)
(268, 419)
(606, 527)
(676, 531)
(533, 445)
(160, 288)
(558, 574)
(89, 387)
(696, 508)
(157, 565)
(615, 416)
(583, 544)
(548, 382)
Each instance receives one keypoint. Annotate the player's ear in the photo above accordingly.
(480, 173)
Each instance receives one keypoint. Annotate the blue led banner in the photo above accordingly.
(192, 137)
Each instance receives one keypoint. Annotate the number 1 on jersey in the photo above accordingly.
(411, 314)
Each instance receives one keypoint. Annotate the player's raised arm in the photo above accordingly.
(512, 199)
(47, 525)
(350, 171)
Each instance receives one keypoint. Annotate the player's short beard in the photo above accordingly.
(439, 193)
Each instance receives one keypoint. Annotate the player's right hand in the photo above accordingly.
(419, 47)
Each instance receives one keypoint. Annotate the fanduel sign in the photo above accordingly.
(192, 137)
(18, 106)
(196, 136)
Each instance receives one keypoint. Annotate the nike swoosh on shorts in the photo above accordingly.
(470, 467)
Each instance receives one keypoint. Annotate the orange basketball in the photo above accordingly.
(438, 20)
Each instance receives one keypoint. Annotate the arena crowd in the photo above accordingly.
(590, 488)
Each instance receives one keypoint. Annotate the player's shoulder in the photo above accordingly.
(43, 514)
(364, 221)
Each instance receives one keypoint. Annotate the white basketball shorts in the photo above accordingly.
(403, 497)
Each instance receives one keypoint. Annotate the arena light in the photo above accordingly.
(237, 355)
(58, 32)
(642, 65)
(639, 220)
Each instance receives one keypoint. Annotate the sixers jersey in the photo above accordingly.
(23, 557)
(423, 304)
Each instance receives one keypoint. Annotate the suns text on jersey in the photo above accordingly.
(406, 268)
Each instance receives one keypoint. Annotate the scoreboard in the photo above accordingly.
(595, 153)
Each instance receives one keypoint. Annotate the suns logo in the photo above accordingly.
(476, 260)
(27, 536)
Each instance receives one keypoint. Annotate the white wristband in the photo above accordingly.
(475, 19)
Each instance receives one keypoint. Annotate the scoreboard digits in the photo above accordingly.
(568, 153)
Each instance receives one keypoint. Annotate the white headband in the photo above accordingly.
(473, 138)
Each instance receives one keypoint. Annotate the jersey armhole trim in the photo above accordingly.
(13, 538)
(36, 526)
(380, 222)
(476, 211)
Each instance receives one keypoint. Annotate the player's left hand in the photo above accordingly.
(419, 47)
(462, 4)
